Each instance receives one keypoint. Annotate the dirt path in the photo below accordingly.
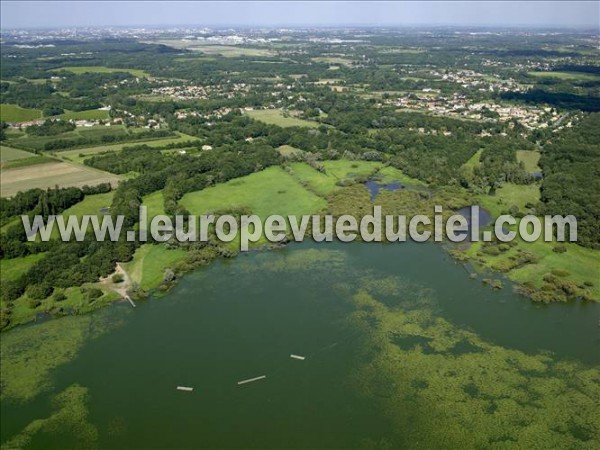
(119, 288)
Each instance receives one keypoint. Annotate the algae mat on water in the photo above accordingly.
(70, 417)
(400, 353)
(445, 387)
(29, 354)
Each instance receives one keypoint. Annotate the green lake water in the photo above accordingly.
(403, 350)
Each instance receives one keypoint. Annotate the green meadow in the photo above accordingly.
(91, 205)
(32, 160)
(37, 143)
(271, 191)
(13, 154)
(577, 264)
(472, 163)
(81, 154)
(341, 172)
(90, 114)
(288, 150)
(227, 51)
(11, 269)
(78, 70)
(578, 76)
(508, 195)
(581, 263)
(155, 203)
(149, 263)
(14, 113)
(276, 117)
(530, 160)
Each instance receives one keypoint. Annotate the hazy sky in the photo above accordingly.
(17, 14)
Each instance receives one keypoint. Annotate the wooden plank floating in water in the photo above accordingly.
(250, 380)
(301, 358)
(185, 388)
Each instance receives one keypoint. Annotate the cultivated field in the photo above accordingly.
(26, 162)
(51, 174)
(276, 117)
(13, 154)
(14, 113)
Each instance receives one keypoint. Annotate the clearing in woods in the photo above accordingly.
(276, 117)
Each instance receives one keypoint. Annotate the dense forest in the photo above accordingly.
(571, 166)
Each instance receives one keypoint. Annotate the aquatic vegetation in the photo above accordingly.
(30, 354)
(70, 418)
(444, 387)
(296, 261)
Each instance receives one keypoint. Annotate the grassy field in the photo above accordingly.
(37, 143)
(155, 204)
(78, 70)
(345, 171)
(13, 154)
(231, 51)
(288, 150)
(329, 81)
(581, 263)
(52, 174)
(332, 60)
(271, 191)
(11, 269)
(275, 117)
(579, 76)
(228, 51)
(26, 162)
(96, 133)
(391, 174)
(90, 114)
(342, 168)
(508, 195)
(14, 113)
(317, 182)
(75, 303)
(79, 155)
(530, 160)
(473, 162)
(90, 205)
(149, 263)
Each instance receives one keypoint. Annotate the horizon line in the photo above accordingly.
(587, 27)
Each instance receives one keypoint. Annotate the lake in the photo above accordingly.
(402, 348)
